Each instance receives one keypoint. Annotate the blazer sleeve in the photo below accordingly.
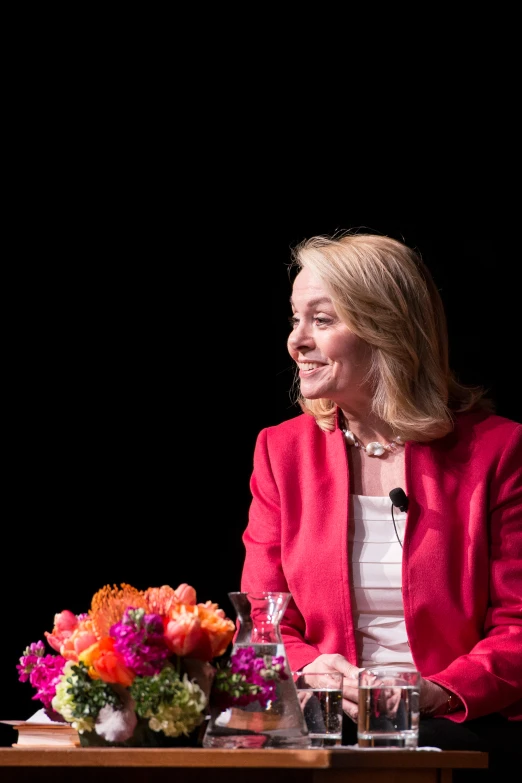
(489, 678)
(263, 567)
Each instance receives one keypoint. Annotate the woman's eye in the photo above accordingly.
(319, 320)
(322, 320)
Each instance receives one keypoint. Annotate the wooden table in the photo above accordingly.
(193, 765)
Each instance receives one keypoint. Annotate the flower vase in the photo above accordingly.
(144, 737)
(280, 722)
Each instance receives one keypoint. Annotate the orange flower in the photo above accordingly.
(106, 664)
(160, 600)
(217, 627)
(164, 600)
(109, 604)
(202, 631)
(82, 637)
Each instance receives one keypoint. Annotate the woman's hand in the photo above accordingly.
(337, 663)
(433, 697)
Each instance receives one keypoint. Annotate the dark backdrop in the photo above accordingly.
(148, 349)
(150, 201)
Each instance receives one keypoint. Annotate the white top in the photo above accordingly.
(376, 558)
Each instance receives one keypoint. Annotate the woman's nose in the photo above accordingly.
(299, 337)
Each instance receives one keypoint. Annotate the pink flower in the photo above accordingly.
(64, 624)
(45, 676)
(31, 657)
(183, 632)
(248, 678)
(140, 639)
(185, 594)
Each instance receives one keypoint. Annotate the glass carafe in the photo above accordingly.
(242, 608)
(281, 723)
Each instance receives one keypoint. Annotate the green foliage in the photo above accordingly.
(150, 692)
(234, 684)
(89, 696)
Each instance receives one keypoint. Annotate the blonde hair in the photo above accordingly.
(385, 294)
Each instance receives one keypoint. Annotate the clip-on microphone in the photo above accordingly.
(400, 500)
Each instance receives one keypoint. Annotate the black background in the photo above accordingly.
(147, 301)
(152, 191)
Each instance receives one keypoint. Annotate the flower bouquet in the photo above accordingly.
(137, 668)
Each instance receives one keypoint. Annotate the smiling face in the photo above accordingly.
(333, 361)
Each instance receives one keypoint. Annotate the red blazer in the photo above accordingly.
(462, 552)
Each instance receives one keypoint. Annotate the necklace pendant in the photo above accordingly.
(350, 438)
(375, 449)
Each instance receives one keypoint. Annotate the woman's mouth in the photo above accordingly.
(305, 368)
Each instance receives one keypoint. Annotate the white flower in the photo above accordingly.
(183, 713)
(117, 725)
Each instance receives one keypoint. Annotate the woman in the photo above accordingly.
(436, 585)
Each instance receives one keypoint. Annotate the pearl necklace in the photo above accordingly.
(373, 449)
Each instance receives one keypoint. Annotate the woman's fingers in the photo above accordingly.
(351, 697)
(350, 709)
(332, 662)
(338, 663)
(350, 690)
(303, 697)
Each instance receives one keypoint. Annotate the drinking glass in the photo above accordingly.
(321, 698)
(388, 708)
